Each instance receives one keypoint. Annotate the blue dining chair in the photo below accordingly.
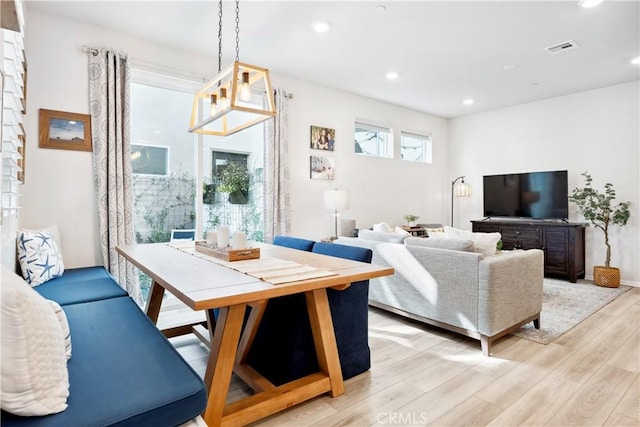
(283, 349)
(294, 243)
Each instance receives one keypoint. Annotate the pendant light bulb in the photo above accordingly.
(214, 105)
(224, 101)
(245, 91)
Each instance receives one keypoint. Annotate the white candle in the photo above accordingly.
(223, 236)
(212, 238)
(239, 240)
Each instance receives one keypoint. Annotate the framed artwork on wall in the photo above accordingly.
(64, 131)
(322, 167)
(323, 138)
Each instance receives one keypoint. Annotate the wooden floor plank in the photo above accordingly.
(369, 410)
(630, 403)
(471, 412)
(596, 399)
(505, 390)
(432, 405)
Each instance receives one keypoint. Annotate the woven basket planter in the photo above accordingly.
(608, 277)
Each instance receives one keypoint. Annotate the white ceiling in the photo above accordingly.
(444, 51)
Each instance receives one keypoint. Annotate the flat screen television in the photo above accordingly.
(538, 195)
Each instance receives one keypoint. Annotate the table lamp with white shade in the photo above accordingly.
(336, 200)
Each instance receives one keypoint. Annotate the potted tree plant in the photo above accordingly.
(235, 180)
(599, 210)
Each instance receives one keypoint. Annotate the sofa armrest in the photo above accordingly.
(510, 289)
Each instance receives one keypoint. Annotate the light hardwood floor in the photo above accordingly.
(426, 376)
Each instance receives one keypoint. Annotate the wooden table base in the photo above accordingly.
(229, 351)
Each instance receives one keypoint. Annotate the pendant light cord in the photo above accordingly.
(220, 36)
(237, 29)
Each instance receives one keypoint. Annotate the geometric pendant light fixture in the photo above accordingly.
(239, 97)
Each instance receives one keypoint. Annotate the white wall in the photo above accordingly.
(379, 189)
(59, 185)
(595, 131)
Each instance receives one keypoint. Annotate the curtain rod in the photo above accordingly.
(175, 72)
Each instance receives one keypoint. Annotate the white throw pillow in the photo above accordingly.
(485, 243)
(382, 227)
(35, 380)
(64, 324)
(39, 256)
(401, 231)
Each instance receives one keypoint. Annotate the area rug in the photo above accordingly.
(565, 305)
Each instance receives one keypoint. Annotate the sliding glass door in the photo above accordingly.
(189, 181)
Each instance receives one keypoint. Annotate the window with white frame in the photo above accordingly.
(149, 160)
(371, 140)
(415, 148)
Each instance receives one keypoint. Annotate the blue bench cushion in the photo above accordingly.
(294, 243)
(81, 285)
(123, 372)
(283, 349)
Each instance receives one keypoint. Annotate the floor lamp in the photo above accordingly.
(336, 200)
(461, 190)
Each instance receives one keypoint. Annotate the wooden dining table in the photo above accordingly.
(206, 284)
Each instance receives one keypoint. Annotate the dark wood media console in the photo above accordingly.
(562, 243)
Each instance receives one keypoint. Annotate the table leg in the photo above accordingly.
(154, 302)
(325, 339)
(221, 360)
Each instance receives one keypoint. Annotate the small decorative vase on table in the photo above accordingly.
(598, 210)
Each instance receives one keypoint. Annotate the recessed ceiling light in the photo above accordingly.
(590, 3)
(510, 67)
(380, 8)
(468, 101)
(636, 60)
(392, 75)
(321, 27)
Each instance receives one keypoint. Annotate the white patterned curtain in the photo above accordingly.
(109, 99)
(276, 180)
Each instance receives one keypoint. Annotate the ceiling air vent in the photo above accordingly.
(561, 47)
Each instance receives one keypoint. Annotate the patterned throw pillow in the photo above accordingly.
(39, 256)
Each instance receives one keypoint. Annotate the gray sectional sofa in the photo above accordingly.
(446, 284)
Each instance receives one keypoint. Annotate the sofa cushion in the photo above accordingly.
(80, 285)
(123, 372)
(379, 236)
(39, 256)
(485, 243)
(34, 367)
(442, 243)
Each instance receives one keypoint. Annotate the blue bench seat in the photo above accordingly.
(123, 371)
(79, 285)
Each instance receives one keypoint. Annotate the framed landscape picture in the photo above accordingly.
(322, 167)
(64, 131)
(322, 138)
